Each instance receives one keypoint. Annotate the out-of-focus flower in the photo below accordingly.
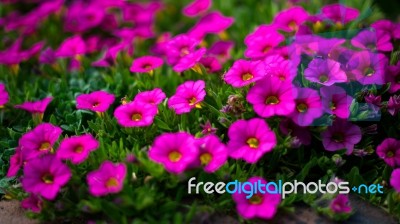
(392, 76)
(188, 95)
(109, 57)
(308, 107)
(221, 50)
(389, 151)
(250, 140)
(135, 114)
(98, 101)
(154, 97)
(146, 64)
(243, 72)
(36, 108)
(33, 203)
(302, 134)
(16, 162)
(374, 100)
(263, 45)
(213, 22)
(260, 205)
(208, 128)
(270, 96)
(372, 40)
(335, 101)
(176, 151)
(388, 27)
(393, 105)
(108, 179)
(45, 176)
(289, 20)
(81, 16)
(212, 153)
(190, 61)
(178, 47)
(341, 204)
(71, 47)
(341, 135)
(196, 7)
(211, 64)
(4, 97)
(395, 179)
(48, 56)
(326, 72)
(339, 14)
(77, 148)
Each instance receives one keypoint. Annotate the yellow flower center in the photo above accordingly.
(45, 146)
(369, 72)
(390, 154)
(136, 117)
(205, 158)
(338, 137)
(247, 76)
(323, 78)
(255, 199)
(184, 51)
(47, 178)
(302, 107)
(272, 100)
(266, 49)
(192, 101)
(112, 182)
(253, 143)
(79, 149)
(333, 106)
(174, 156)
(293, 25)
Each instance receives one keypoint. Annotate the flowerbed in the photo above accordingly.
(110, 108)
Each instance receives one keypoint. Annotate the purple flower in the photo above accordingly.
(368, 68)
(370, 40)
(395, 179)
(45, 176)
(392, 76)
(389, 151)
(301, 134)
(48, 56)
(270, 96)
(393, 105)
(81, 17)
(243, 72)
(341, 204)
(189, 61)
(326, 72)
(208, 128)
(308, 107)
(178, 47)
(108, 179)
(374, 100)
(339, 13)
(388, 27)
(341, 135)
(212, 153)
(335, 101)
(250, 140)
(211, 64)
(176, 151)
(77, 148)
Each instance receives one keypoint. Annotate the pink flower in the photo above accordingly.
(178, 47)
(243, 72)
(212, 153)
(221, 50)
(339, 13)
(77, 148)
(48, 56)
(336, 101)
(108, 179)
(189, 61)
(188, 95)
(39, 140)
(341, 204)
(263, 45)
(135, 114)
(371, 40)
(16, 162)
(3, 95)
(392, 76)
(213, 22)
(146, 64)
(395, 179)
(196, 7)
(45, 176)
(98, 101)
(176, 151)
(208, 128)
(250, 140)
(35, 107)
(278, 67)
(270, 96)
(368, 68)
(33, 203)
(81, 17)
(326, 72)
(308, 107)
(211, 64)
(260, 205)
(389, 151)
(341, 135)
(289, 20)
(71, 47)
(110, 56)
(154, 97)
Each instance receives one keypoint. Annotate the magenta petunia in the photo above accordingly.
(110, 56)
(196, 7)
(71, 47)
(392, 76)
(393, 105)
(211, 64)
(388, 27)
(389, 151)
(33, 203)
(263, 45)
(108, 179)
(45, 176)
(4, 97)
(213, 23)
(395, 179)
(178, 47)
(301, 135)
(339, 14)
(154, 97)
(77, 148)
(189, 61)
(271, 96)
(16, 162)
(308, 107)
(81, 17)
(35, 107)
(277, 66)
(208, 128)
(372, 40)
(212, 153)
(290, 19)
(250, 140)
(135, 114)
(48, 56)
(221, 50)
(335, 101)
(188, 95)
(368, 68)
(326, 72)
(146, 64)
(341, 135)
(98, 101)
(341, 204)
(39, 140)
(243, 72)
(259, 205)
(176, 151)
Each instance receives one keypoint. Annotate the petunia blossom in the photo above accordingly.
(263, 45)
(107, 179)
(36, 108)
(135, 114)
(335, 101)
(212, 153)
(372, 40)
(395, 180)
(33, 203)
(389, 151)
(308, 107)
(77, 148)
(341, 135)
(326, 72)
(341, 204)
(146, 64)
(196, 7)
(98, 101)
(188, 95)
(290, 19)
(243, 72)
(4, 97)
(154, 97)
(392, 75)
